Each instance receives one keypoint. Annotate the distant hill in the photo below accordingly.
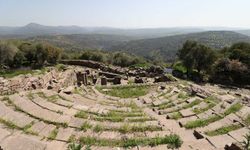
(75, 42)
(246, 32)
(165, 48)
(34, 29)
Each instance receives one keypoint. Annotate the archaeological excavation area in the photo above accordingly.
(104, 108)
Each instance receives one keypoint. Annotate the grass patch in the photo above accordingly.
(182, 95)
(9, 124)
(116, 116)
(98, 128)
(13, 73)
(60, 67)
(7, 99)
(195, 102)
(165, 106)
(85, 126)
(143, 119)
(52, 98)
(81, 114)
(126, 128)
(126, 91)
(111, 119)
(204, 122)
(172, 140)
(176, 115)
(53, 134)
(201, 122)
(27, 130)
(210, 104)
(30, 96)
(223, 130)
(247, 120)
(234, 108)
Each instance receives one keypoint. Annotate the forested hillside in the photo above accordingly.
(165, 48)
(82, 41)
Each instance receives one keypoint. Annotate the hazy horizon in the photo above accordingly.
(128, 14)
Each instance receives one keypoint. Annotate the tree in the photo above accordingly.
(241, 52)
(230, 72)
(196, 56)
(18, 59)
(29, 52)
(204, 57)
(7, 53)
(40, 55)
(54, 53)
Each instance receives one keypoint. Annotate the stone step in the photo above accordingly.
(53, 107)
(64, 134)
(19, 119)
(42, 128)
(22, 142)
(34, 110)
(221, 141)
(56, 145)
(239, 134)
(4, 134)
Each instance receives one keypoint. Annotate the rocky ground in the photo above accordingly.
(54, 110)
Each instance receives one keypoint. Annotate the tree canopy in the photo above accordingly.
(27, 54)
(231, 65)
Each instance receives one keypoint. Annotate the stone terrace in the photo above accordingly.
(51, 118)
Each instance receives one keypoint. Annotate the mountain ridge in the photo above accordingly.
(165, 48)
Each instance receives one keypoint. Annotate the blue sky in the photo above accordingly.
(126, 13)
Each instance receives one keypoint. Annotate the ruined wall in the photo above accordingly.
(52, 80)
(96, 65)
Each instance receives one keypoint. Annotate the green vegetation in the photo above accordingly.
(247, 120)
(196, 56)
(85, 126)
(204, 122)
(13, 73)
(9, 124)
(180, 67)
(126, 128)
(74, 146)
(98, 128)
(234, 108)
(126, 91)
(182, 95)
(165, 48)
(18, 54)
(53, 134)
(81, 114)
(60, 67)
(230, 65)
(172, 140)
(176, 115)
(223, 130)
(195, 102)
(201, 122)
(246, 142)
(165, 105)
(113, 115)
(115, 58)
(143, 119)
(211, 102)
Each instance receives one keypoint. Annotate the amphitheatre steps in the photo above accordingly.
(50, 120)
(18, 119)
(42, 128)
(22, 142)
